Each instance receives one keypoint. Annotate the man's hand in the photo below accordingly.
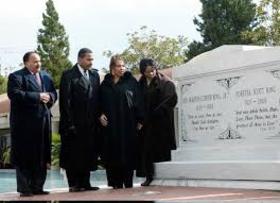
(48, 165)
(45, 97)
(139, 126)
(103, 120)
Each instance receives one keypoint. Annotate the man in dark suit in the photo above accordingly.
(78, 103)
(32, 94)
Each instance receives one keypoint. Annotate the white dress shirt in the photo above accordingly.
(83, 72)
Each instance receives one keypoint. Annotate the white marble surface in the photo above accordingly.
(227, 58)
(266, 185)
(229, 116)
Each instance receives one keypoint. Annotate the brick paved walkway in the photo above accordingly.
(159, 193)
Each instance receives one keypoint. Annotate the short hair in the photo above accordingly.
(27, 55)
(144, 63)
(114, 60)
(83, 52)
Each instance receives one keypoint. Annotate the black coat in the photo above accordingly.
(30, 119)
(157, 137)
(78, 104)
(120, 103)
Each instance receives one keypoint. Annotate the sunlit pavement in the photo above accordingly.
(157, 193)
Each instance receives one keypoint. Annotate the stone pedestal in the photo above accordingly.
(228, 121)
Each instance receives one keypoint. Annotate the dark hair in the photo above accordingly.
(83, 52)
(144, 63)
(27, 55)
(114, 60)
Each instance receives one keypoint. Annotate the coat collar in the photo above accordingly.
(108, 79)
(83, 81)
(159, 78)
(31, 78)
(76, 70)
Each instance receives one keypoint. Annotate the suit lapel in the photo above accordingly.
(31, 79)
(92, 82)
(91, 78)
(43, 81)
(82, 81)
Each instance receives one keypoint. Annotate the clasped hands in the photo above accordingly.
(45, 97)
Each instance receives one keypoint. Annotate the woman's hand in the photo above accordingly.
(103, 120)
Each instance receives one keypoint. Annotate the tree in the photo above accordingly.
(166, 51)
(53, 45)
(3, 84)
(195, 48)
(56, 145)
(223, 22)
(268, 30)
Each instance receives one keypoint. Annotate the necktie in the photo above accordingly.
(85, 74)
(38, 79)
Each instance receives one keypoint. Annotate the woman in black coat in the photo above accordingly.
(120, 118)
(157, 137)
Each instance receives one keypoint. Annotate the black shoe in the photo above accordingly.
(117, 187)
(25, 194)
(76, 189)
(41, 192)
(128, 186)
(90, 188)
(147, 182)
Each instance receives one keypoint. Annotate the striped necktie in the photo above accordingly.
(38, 79)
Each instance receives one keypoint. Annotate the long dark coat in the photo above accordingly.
(121, 104)
(157, 137)
(30, 119)
(78, 104)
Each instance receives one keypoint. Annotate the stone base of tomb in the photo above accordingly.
(219, 174)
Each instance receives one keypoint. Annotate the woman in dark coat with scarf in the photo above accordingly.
(157, 137)
(120, 118)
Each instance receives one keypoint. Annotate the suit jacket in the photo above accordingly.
(78, 103)
(30, 119)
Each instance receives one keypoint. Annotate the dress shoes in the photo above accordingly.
(117, 186)
(90, 188)
(41, 192)
(76, 189)
(147, 182)
(25, 194)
